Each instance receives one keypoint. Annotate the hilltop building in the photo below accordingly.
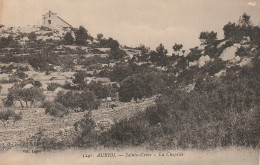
(52, 20)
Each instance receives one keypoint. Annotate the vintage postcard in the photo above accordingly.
(129, 82)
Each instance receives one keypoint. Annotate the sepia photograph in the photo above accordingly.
(129, 82)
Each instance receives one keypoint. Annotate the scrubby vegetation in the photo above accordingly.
(9, 114)
(17, 93)
(83, 100)
(55, 109)
(204, 98)
(198, 107)
(52, 86)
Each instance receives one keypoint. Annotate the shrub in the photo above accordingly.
(6, 115)
(55, 109)
(37, 84)
(79, 78)
(109, 43)
(32, 95)
(208, 37)
(117, 54)
(120, 72)
(139, 86)
(42, 141)
(85, 100)
(84, 129)
(53, 86)
(81, 36)
(69, 38)
(100, 90)
(159, 56)
(32, 36)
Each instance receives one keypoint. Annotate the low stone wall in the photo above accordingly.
(105, 118)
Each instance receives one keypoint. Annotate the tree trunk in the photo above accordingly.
(21, 103)
(32, 104)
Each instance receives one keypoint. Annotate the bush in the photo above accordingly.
(42, 141)
(6, 115)
(117, 54)
(32, 95)
(55, 109)
(159, 56)
(100, 90)
(84, 129)
(81, 36)
(53, 86)
(131, 87)
(84, 100)
(109, 43)
(79, 78)
(141, 85)
(69, 38)
(37, 84)
(208, 38)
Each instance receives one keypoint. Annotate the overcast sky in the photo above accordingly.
(133, 22)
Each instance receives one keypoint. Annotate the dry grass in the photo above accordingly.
(32, 121)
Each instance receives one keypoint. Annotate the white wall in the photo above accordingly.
(55, 21)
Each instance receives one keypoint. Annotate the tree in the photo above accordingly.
(177, 47)
(120, 72)
(131, 87)
(7, 42)
(14, 93)
(144, 53)
(69, 38)
(230, 30)
(32, 95)
(44, 60)
(79, 78)
(208, 38)
(53, 86)
(55, 109)
(85, 100)
(109, 43)
(162, 52)
(9, 114)
(236, 32)
(244, 20)
(32, 36)
(159, 56)
(100, 90)
(117, 54)
(100, 36)
(153, 83)
(81, 36)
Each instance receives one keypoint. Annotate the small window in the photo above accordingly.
(49, 21)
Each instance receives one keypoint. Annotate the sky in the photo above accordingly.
(135, 22)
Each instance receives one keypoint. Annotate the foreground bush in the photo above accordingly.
(217, 113)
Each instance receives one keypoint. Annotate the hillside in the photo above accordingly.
(104, 94)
